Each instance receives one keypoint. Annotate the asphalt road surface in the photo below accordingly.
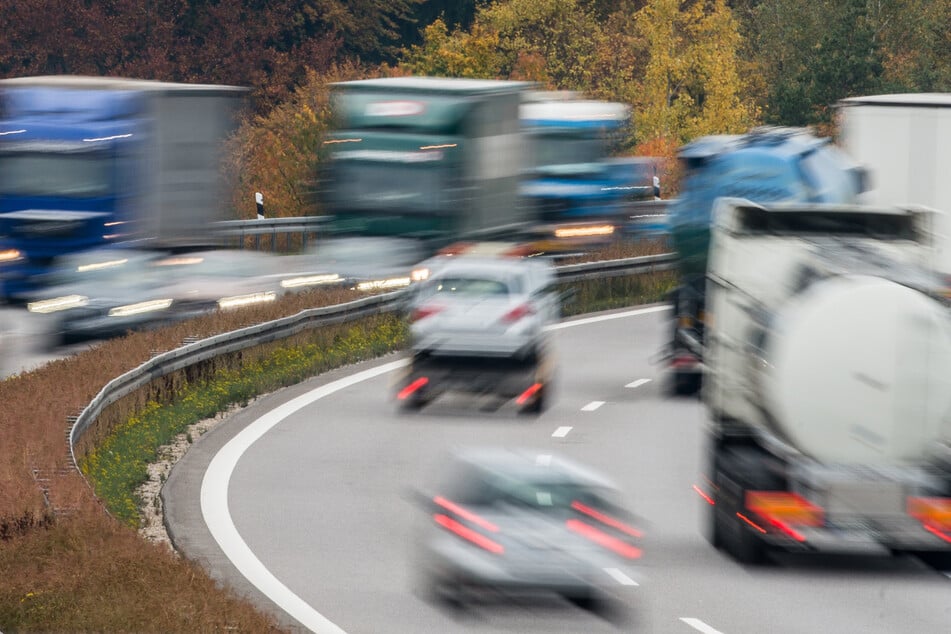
(302, 501)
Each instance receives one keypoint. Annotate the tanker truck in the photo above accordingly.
(828, 382)
(768, 164)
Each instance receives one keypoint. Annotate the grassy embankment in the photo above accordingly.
(69, 566)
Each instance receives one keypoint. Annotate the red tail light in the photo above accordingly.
(601, 538)
(466, 514)
(412, 388)
(607, 520)
(423, 312)
(468, 534)
(520, 311)
(529, 393)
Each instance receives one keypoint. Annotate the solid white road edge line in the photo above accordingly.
(214, 502)
(599, 318)
(593, 405)
(561, 432)
(214, 486)
(638, 383)
(700, 626)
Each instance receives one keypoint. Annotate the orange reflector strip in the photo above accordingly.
(466, 514)
(704, 495)
(468, 534)
(935, 512)
(784, 507)
(407, 391)
(751, 522)
(601, 538)
(607, 520)
(527, 394)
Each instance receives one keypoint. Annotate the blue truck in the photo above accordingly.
(768, 164)
(87, 162)
(572, 177)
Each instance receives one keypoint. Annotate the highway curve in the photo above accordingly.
(304, 505)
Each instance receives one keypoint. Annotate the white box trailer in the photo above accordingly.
(904, 140)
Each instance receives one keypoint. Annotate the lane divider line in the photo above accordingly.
(214, 486)
(699, 625)
(619, 576)
(593, 405)
(638, 383)
(561, 432)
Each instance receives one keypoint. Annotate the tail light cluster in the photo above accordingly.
(467, 525)
(600, 528)
(934, 515)
(607, 531)
(519, 312)
(783, 511)
(427, 310)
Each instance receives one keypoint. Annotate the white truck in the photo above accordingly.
(828, 354)
(904, 141)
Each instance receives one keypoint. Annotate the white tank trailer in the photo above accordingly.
(828, 382)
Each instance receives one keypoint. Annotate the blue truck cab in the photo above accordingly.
(67, 174)
(765, 165)
(572, 176)
(89, 162)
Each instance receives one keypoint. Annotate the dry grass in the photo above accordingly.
(89, 574)
(85, 572)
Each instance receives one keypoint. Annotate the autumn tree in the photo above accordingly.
(551, 41)
(690, 84)
(279, 153)
(264, 44)
(473, 54)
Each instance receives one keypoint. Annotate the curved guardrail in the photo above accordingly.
(205, 349)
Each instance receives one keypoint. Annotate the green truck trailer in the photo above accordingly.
(434, 159)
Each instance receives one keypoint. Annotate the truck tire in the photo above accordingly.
(742, 465)
(686, 384)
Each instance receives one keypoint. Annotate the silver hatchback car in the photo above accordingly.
(508, 523)
(479, 325)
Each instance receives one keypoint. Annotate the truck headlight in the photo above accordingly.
(10, 255)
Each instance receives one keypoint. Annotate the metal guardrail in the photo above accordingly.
(307, 227)
(205, 349)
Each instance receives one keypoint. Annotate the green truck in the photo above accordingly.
(432, 159)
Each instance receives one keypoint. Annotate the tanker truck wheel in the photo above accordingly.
(743, 465)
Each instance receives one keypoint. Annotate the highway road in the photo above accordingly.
(302, 502)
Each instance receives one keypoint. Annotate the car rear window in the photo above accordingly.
(475, 286)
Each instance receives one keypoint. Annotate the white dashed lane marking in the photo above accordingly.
(700, 626)
(593, 405)
(638, 383)
(561, 432)
(620, 577)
